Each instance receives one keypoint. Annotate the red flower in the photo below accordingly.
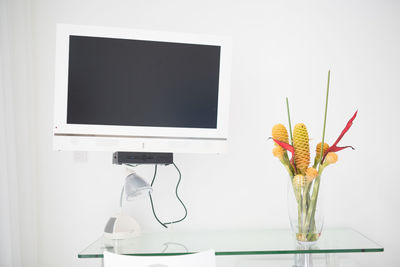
(334, 147)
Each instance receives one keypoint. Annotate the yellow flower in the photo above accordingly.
(278, 152)
(280, 133)
(311, 174)
(301, 147)
(318, 151)
(299, 181)
(331, 158)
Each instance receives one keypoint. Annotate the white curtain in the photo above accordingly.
(17, 203)
(9, 230)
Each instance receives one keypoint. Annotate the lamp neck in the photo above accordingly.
(120, 198)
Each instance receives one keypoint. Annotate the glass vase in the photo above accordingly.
(305, 204)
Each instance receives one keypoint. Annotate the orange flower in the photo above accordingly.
(311, 174)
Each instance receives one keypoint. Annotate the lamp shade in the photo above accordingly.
(136, 186)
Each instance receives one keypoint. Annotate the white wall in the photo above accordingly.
(280, 49)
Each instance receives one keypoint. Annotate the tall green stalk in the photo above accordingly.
(291, 136)
(298, 196)
(290, 124)
(326, 111)
(314, 197)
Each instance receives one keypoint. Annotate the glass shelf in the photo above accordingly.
(232, 242)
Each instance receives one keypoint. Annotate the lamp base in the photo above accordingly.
(121, 226)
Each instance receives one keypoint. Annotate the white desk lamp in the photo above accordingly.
(122, 226)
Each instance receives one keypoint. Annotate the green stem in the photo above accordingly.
(312, 230)
(286, 162)
(308, 187)
(290, 124)
(310, 220)
(294, 190)
(304, 209)
(291, 135)
(297, 197)
(313, 204)
(326, 111)
(299, 214)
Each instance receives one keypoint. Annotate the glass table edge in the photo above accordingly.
(247, 253)
(379, 248)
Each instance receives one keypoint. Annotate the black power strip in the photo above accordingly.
(142, 158)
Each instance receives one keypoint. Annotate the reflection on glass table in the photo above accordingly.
(319, 260)
(232, 242)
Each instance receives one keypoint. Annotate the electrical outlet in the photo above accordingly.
(80, 156)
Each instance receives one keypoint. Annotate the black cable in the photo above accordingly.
(151, 199)
(177, 196)
(154, 213)
(154, 176)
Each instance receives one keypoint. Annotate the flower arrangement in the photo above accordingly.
(305, 178)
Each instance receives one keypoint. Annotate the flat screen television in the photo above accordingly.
(133, 90)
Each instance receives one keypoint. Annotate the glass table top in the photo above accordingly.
(232, 242)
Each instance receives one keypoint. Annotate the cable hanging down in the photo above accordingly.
(177, 196)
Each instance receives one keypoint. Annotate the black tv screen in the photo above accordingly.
(142, 83)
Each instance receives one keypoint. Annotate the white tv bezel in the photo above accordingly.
(134, 138)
